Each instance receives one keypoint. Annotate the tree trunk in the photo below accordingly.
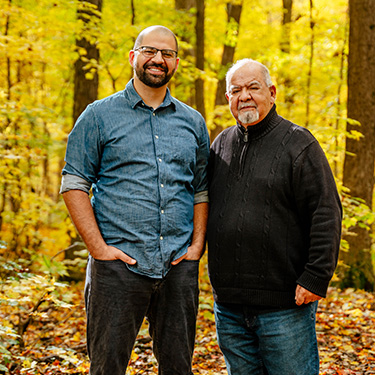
(340, 85)
(234, 10)
(360, 156)
(286, 23)
(184, 4)
(86, 79)
(132, 21)
(285, 46)
(8, 97)
(6, 32)
(199, 62)
(309, 74)
(187, 54)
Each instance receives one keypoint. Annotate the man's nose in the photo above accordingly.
(158, 57)
(245, 95)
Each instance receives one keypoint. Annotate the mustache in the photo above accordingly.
(161, 66)
(242, 105)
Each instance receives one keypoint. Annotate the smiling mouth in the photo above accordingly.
(155, 70)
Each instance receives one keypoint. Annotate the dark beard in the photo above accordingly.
(151, 80)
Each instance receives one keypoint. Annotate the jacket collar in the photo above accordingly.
(261, 128)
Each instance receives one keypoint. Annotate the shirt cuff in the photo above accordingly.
(201, 197)
(73, 182)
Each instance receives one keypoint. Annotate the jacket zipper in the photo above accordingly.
(243, 153)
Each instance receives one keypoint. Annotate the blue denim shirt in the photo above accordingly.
(145, 167)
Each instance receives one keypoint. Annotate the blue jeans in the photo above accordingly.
(118, 300)
(273, 343)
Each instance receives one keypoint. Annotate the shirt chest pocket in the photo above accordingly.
(182, 149)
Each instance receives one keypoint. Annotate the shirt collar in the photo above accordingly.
(135, 99)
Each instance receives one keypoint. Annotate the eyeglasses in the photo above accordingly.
(151, 52)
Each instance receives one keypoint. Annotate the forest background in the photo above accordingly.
(58, 56)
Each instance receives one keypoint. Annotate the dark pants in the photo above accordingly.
(117, 300)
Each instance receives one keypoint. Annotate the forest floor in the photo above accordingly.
(54, 343)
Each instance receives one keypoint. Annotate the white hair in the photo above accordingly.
(240, 63)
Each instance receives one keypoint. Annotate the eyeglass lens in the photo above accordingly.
(152, 51)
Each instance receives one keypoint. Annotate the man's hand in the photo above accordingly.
(198, 242)
(82, 214)
(303, 296)
(112, 253)
(193, 253)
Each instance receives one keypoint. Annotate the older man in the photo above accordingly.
(273, 232)
(144, 154)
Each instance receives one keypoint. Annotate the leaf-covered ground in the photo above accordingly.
(55, 341)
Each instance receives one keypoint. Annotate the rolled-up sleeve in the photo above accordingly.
(83, 152)
(200, 181)
(72, 182)
(201, 197)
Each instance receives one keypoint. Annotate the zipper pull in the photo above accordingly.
(246, 136)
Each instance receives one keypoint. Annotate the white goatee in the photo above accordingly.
(248, 117)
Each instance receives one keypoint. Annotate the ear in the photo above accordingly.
(273, 94)
(227, 96)
(131, 58)
(177, 63)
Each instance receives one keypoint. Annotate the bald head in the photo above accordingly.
(157, 29)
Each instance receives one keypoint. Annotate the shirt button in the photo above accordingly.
(161, 238)
(162, 185)
(153, 113)
(156, 136)
(160, 160)
(162, 211)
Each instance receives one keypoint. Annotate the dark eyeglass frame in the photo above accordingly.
(155, 50)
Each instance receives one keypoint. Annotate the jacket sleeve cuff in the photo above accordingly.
(314, 284)
(73, 182)
(201, 197)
